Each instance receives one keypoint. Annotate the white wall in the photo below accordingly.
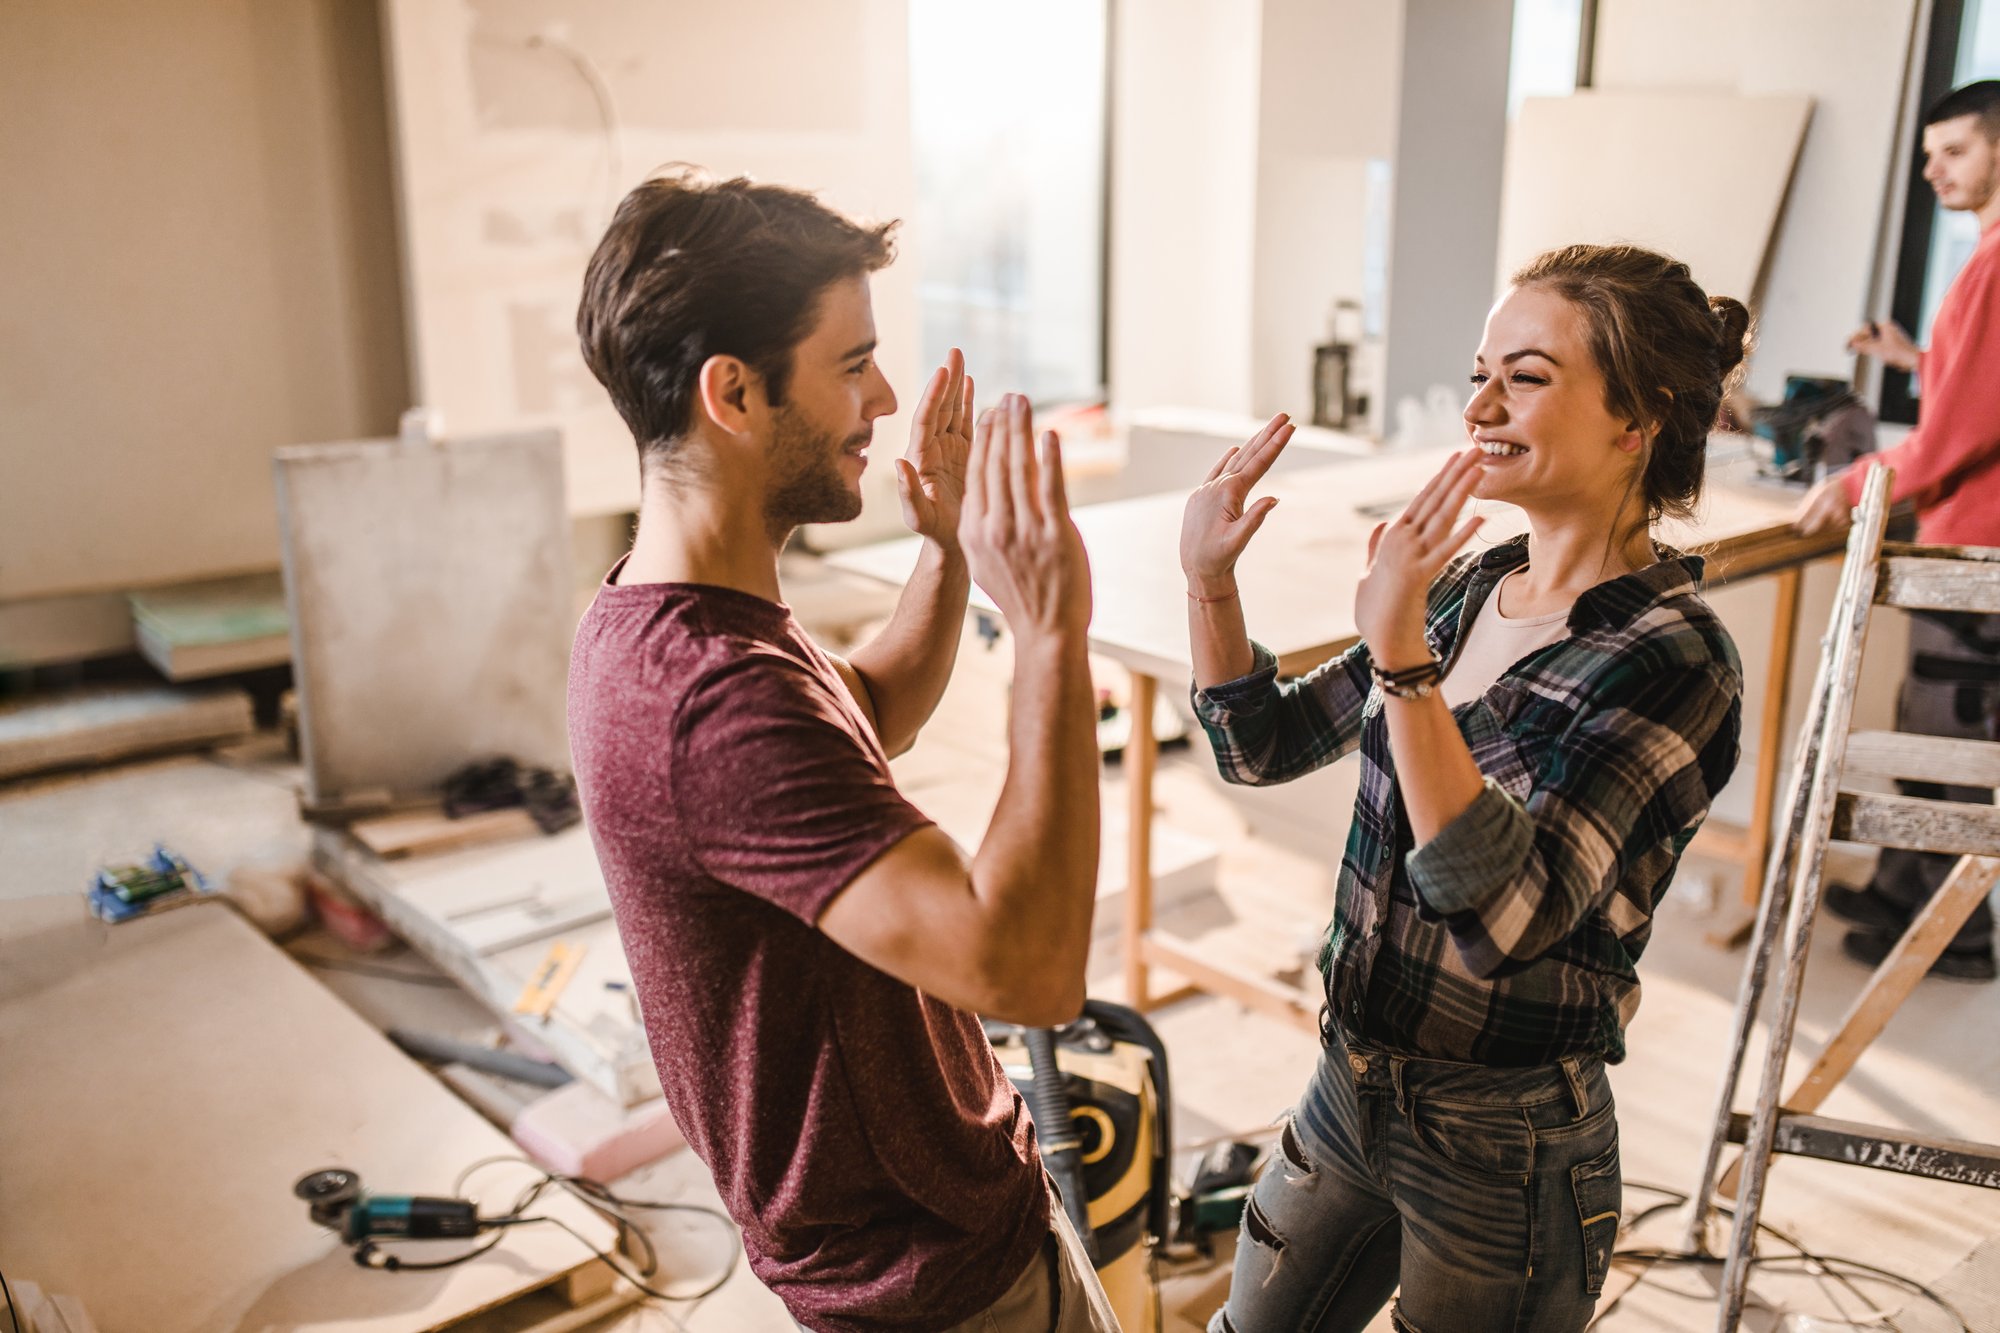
(1848, 55)
(509, 173)
(1183, 212)
(1451, 128)
(1315, 136)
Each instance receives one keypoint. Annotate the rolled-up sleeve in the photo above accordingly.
(1635, 772)
(1264, 730)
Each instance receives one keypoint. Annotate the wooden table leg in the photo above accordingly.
(1140, 751)
(1771, 731)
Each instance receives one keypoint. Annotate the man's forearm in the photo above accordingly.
(907, 665)
(1036, 869)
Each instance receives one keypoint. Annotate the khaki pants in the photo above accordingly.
(1058, 1293)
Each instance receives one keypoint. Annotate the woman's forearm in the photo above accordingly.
(1216, 633)
(1434, 767)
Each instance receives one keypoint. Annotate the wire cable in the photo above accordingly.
(13, 1315)
(1838, 1267)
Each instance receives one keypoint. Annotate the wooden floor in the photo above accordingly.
(1937, 1069)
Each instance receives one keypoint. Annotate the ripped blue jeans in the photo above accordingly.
(1489, 1196)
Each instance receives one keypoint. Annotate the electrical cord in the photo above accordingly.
(13, 1315)
(594, 1195)
(1829, 1265)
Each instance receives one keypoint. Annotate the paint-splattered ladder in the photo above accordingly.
(1823, 807)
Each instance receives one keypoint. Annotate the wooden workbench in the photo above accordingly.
(1297, 580)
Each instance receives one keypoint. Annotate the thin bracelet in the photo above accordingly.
(1208, 601)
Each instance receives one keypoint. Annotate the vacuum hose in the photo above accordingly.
(1061, 1149)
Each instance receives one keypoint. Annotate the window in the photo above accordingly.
(1008, 105)
(1543, 57)
(1964, 46)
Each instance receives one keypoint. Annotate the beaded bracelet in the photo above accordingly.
(1415, 682)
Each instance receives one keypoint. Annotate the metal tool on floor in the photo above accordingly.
(1822, 806)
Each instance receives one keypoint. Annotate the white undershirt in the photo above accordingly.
(1495, 642)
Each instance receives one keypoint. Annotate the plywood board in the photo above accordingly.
(429, 592)
(98, 725)
(1700, 175)
(169, 1080)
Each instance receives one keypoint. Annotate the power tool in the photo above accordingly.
(336, 1201)
(1099, 1092)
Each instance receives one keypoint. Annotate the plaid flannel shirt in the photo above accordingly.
(1512, 937)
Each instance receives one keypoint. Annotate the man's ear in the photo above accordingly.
(730, 393)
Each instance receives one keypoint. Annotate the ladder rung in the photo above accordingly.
(1957, 1160)
(1917, 825)
(1990, 554)
(1938, 583)
(1942, 759)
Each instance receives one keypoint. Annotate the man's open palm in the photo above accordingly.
(930, 476)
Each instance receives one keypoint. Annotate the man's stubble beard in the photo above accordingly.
(807, 486)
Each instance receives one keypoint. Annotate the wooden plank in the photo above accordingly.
(1935, 583)
(415, 832)
(1969, 883)
(1990, 554)
(193, 1030)
(1953, 827)
(1942, 759)
(1287, 1004)
(1959, 1161)
(98, 725)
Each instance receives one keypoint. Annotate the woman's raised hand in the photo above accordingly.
(1219, 520)
(1403, 558)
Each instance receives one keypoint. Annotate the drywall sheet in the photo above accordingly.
(169, 1079)
(1849, 55)
(1700, 175)
(200, 267)
(519, 124)
(429, 591)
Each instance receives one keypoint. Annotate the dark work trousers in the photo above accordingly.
(1952, 689)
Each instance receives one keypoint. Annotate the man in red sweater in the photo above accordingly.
(1950, 467)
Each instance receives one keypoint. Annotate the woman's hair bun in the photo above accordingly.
(1732, 320)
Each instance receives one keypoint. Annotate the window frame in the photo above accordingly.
(1896, 402)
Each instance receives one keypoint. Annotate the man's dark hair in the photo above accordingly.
(1981, 99)
(692, 268)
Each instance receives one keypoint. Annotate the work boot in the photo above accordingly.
(1871, 947)
(1865, 907)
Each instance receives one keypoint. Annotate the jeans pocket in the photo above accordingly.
(1493, 1145)
(1599, 1196)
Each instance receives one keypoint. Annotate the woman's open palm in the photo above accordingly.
(1220, 518)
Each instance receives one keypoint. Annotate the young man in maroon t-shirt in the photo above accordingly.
(809, 950)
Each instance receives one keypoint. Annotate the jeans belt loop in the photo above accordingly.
(1396, 1078)
(1573, 1071)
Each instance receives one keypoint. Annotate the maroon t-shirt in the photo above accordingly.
(861, 1133)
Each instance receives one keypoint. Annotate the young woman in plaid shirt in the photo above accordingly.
(1543, 725)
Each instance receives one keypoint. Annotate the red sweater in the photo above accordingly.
(1950, 464)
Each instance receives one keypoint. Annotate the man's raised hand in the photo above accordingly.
(930, 476)
(1015, 527)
